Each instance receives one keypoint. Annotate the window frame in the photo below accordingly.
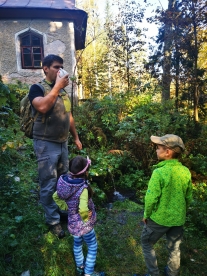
(32, 54)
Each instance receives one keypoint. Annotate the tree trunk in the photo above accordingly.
(177, 72)
(166, 79)
(196, 92)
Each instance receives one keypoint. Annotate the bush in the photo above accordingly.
(198, 211)
(17, 91)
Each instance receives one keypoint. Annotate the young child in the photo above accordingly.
(77, 193)
(168, 196)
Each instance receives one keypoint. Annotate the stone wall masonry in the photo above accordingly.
(58, 38)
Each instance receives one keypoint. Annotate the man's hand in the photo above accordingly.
(78, 143)
(62, 82)
(144, 220)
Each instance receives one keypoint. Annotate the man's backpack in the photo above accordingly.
(27, 115)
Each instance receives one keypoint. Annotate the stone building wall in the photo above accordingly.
(58, 38)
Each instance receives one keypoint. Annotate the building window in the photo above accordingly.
(31, 45)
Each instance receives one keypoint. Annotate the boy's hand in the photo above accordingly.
(144, 220)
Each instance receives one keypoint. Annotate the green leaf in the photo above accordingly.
(18, 219)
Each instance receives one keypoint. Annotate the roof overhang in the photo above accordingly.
(79, 17)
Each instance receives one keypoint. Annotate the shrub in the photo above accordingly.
(197, 213)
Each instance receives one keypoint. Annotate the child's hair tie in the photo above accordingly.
(83, 170)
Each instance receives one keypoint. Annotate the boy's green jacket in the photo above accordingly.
(169, 193)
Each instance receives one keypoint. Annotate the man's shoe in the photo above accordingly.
(57, 230)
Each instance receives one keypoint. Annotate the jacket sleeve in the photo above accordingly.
(153, 194)
(83, 205)
(189, 194)
(60, 202)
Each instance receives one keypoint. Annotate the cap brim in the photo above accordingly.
(156, 140)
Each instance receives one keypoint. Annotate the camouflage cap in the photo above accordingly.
(171, 141)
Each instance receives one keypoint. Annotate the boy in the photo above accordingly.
(167, 198)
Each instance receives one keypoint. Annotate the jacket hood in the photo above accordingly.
(67, 186)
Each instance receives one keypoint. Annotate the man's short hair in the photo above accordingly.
(48, 60)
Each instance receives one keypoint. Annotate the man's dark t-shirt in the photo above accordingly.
(36, 91)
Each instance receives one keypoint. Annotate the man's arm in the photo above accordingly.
(44, 104)
(74, 132)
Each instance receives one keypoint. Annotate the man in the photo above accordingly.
(50, 135)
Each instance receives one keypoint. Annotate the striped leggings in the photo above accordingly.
(90, 240)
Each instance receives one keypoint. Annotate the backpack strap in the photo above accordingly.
(36, 115)
(41, 86)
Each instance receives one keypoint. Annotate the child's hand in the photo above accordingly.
(89, 214)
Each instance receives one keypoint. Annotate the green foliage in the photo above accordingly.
(134, 180)
(121, 155)
(176, 60)
(198, 210)
(9, 110)
(153, 117)
(127, 205)
(198, 145)
(19, 212)
(199, 164)
(7, 116)
(98, 119)
(121, 126)
(4, 93)
(18, 90)
(147, 119)
(99, 197)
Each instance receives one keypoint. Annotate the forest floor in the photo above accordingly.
(28, 248)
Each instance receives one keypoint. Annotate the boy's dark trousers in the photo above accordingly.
(151, 233)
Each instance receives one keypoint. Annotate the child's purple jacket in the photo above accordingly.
(70, 190)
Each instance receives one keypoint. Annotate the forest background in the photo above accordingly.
(129, 88)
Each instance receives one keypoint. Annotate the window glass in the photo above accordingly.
(36, 50)
(26, 50)
(26, 41)
(36, 41)
(31, 50)
(37, 57)
(27, 60)
(37, 63)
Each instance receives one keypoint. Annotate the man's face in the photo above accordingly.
(51, 72)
